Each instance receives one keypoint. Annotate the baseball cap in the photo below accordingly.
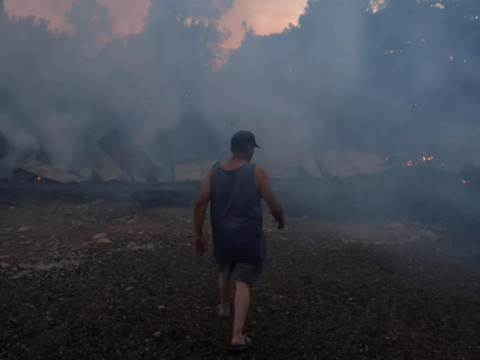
(242, 139)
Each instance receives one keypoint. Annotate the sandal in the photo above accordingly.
(238, 348)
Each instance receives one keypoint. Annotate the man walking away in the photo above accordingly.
(236, 188)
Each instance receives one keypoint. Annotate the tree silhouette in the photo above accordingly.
(359, 74)
(91, 22)
(404, 76)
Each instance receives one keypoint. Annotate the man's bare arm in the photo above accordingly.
(262, 180)
(199, 214)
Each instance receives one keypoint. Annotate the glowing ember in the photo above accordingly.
(376, 5)
(39, 178)
(386, 159)
(409, 163)
(427, 159)
(465, 181)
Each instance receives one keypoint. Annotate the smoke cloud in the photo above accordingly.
(394, 79)
(397, 78)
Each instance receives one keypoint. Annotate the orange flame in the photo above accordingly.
(465, 181)
(39, 178)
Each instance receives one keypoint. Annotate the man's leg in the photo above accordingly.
(224, 287)
(242, 301)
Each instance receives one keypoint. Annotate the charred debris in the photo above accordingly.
(337, 185)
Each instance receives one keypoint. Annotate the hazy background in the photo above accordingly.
(266, 16)
(394, 77)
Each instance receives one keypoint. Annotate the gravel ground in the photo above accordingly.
(115, 281)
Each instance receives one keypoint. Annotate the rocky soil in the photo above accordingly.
(106, 280)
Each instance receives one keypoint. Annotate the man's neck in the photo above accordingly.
(239, 157)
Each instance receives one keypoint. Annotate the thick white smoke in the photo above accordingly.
(352, 74)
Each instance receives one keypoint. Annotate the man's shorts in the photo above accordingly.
(242, 272)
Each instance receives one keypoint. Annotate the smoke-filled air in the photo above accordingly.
(394, 77)
(240, 179)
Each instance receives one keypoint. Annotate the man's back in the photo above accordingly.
(235, 189)
(232, 164)
(236, 213)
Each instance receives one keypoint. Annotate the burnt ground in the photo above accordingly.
(143, 294)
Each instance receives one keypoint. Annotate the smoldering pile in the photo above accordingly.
(335, 185)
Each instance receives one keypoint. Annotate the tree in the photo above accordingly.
(91, 23)
(177, 49)
(353, 77)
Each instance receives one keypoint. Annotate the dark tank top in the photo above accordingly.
(237, 218)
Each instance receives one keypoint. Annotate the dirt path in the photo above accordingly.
(141, 293)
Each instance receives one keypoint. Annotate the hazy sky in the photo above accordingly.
(265, 16)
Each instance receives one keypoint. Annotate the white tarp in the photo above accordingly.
(349, 162)
(49, 172)
(196, 170)
(108, 169)
(287, 166)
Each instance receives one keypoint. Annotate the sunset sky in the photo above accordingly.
(265, 16)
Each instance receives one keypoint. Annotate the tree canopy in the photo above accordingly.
(402, 76)
(399, 77)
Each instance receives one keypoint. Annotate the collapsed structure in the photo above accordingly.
(128, 156)
(349, 162)
(187, 152)
(189, 149)
(107, 169)
(36, 169)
